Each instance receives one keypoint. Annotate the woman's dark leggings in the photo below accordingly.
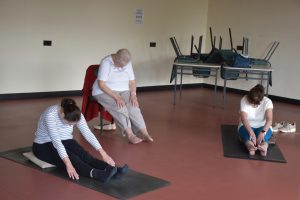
(81, 160)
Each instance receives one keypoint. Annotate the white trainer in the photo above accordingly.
(113, 126)
(288, 128)
(106, 127)
(277, 126)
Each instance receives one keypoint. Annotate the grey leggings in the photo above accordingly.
(125, 117)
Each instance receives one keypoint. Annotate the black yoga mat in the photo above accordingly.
(130, 185)
(234, 148)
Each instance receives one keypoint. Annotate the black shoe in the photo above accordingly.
(121, 171)
(109, 173)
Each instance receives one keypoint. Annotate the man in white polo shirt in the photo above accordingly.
(115, 90)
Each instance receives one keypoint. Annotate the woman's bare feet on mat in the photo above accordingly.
(263, 148)
(251, 148)
(133, 139)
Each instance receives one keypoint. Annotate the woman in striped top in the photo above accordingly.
(54, 144)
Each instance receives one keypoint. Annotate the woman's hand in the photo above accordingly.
(244, 120)
(253, 138)
(106, 158)
(260, 137)
(120, 101)
(72, 172)
(133, 100)
(70, 169)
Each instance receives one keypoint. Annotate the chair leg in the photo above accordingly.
(86, 108)
(101, 122)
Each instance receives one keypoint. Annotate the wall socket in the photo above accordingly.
(152, 44)
(47, 43)
(240, 48)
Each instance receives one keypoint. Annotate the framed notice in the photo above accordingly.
(139, 16)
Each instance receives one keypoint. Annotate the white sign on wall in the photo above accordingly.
(139, 16)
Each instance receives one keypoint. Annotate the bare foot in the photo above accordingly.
(134, 140)
(263, 148)
(147, 138)
(251, 148)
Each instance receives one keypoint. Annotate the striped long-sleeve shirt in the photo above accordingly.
(52, 128)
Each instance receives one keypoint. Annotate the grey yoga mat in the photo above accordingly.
(130, 185)
(233, 148)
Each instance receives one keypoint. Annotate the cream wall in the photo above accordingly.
(263, 22)
(83, 31)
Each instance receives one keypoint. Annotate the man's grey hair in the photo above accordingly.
(123, 55)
